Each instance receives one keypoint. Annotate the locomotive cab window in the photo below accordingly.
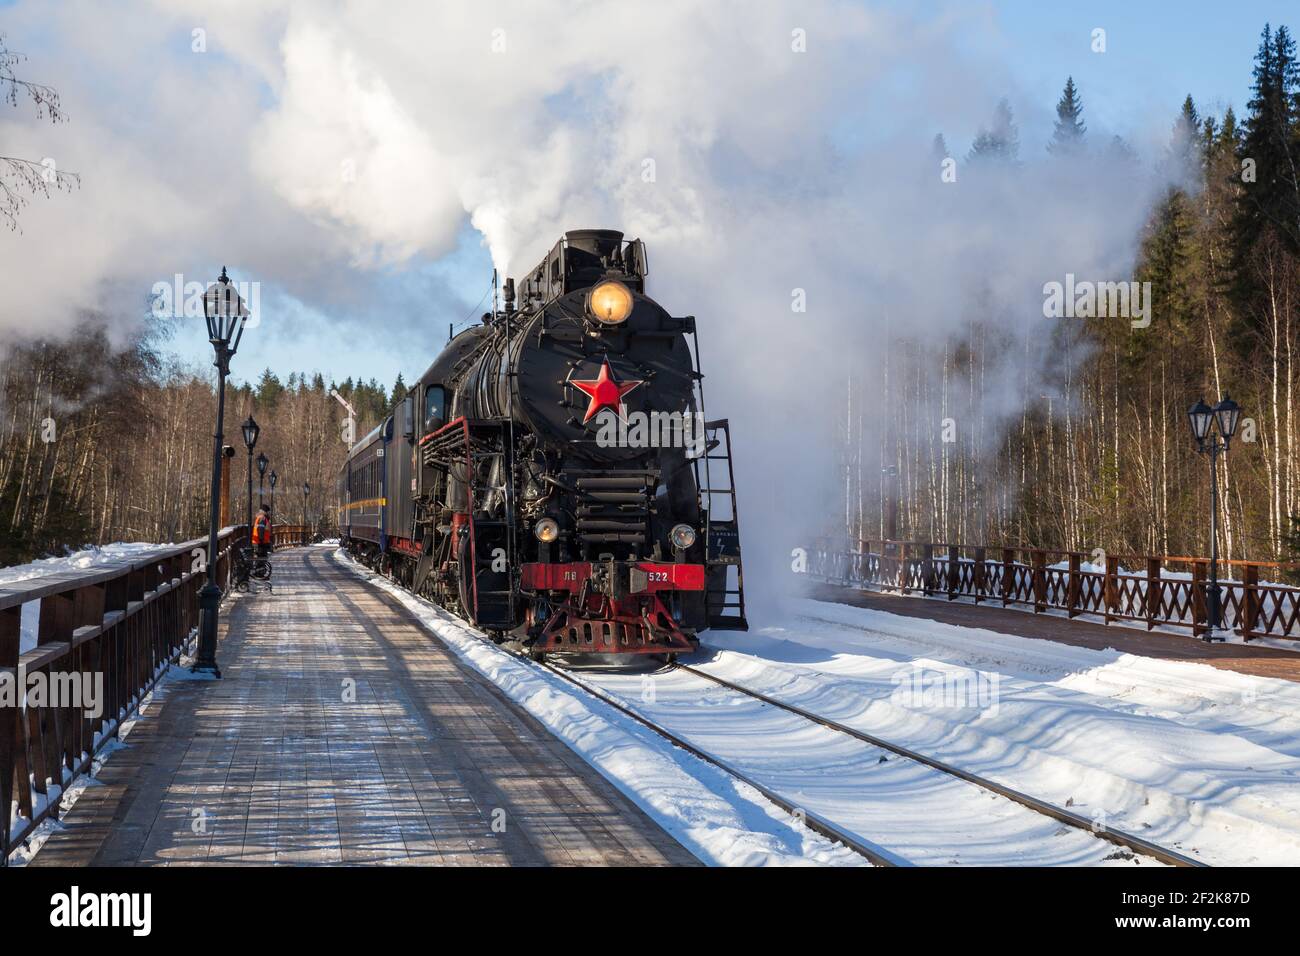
(435, 410)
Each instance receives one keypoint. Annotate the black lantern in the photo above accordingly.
(274, 478)
(1228, 414)
(1203, 418)
(250, 439)
(1200, 416)
(262, 462)
(225, 314)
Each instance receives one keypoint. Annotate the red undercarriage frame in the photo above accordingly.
(601, 617)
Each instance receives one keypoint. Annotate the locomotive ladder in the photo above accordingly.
(724, 604)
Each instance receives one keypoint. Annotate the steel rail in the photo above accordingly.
(875, 854)
(1119, 837)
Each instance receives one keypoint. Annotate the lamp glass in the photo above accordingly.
(1199, 416)
(1228, 413)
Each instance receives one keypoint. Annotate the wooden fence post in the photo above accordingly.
(1110, 587)
(1008, 575)
(1039, 563)
(1250, 602)
(1074, 587)
(1200, 614)
(954, 572)
(927, 569)
(979, 574)
(10, 636)
(1154, 592)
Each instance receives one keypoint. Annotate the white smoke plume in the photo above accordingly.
(758, 148)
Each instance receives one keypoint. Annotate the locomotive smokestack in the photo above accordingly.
(509, 295)
(601, 243)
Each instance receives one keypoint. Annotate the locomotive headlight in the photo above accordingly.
(682, 536)
(610, 302)
(547, 530)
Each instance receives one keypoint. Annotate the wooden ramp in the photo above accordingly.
(429, 764)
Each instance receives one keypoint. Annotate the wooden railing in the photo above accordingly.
(1156, 590)
(110, 633)
(291, 535)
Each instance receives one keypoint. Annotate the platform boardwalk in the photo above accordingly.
(271, 765)
(1253, 659)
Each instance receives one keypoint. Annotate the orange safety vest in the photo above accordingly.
(262, 529)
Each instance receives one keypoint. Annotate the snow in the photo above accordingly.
(720, 820)
(84, 560)
(1203, 761)
(74, 788)
(1195, 758)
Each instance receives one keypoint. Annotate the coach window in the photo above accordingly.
(434, 407)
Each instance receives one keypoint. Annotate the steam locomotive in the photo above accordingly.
(552, 478)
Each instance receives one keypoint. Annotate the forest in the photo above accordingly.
(1100, 454)
(104, 440)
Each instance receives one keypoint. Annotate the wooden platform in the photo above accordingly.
(272, 765)
(1242, 658)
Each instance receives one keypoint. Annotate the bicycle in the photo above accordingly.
(251, 567)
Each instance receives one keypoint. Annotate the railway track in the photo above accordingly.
(876, 854)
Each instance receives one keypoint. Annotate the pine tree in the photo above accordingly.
(939, 148)
(1271, 141)
(1067, 137)
(1000, 141)
(1184, 148)
(399, 391)
(269, 389)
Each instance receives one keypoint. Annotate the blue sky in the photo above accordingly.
(1156, 54)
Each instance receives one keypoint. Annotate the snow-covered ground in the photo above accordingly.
(1202, 761)
(84, 560)
(1194, 758)
(722, 821)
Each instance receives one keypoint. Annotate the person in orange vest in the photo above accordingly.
(262, 532)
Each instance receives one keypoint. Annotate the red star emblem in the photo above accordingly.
(604, 391)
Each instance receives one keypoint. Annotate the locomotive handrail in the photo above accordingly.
(1148, 591)
(108, 632)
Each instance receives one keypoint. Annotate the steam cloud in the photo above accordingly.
(323, 145)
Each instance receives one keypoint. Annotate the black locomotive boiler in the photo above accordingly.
(551, 478)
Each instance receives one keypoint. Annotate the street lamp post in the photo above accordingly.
(274, 479)
(225, 313)
(250, 439)
(262, 462)
(1203, 419)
